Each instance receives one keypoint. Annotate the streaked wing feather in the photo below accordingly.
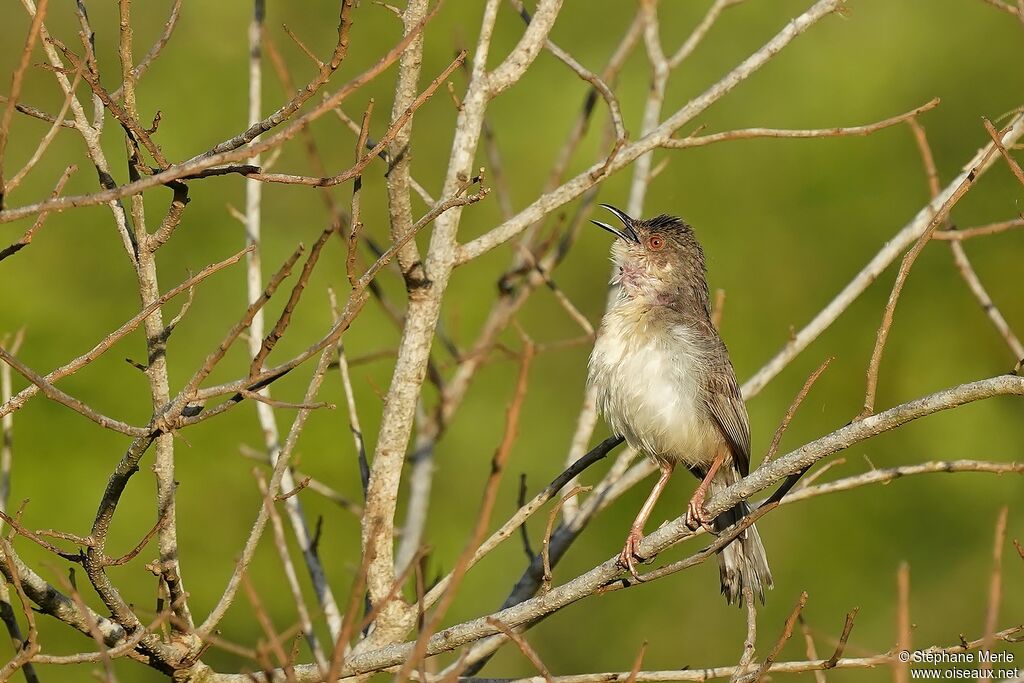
(724, 401)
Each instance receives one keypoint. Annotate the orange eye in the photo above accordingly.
(655, 242)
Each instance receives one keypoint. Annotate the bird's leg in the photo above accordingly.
(629, 556)
(695, 509)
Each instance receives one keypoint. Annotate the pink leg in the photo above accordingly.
(695, 509)
(629, 556)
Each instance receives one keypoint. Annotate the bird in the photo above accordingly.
(663, 380)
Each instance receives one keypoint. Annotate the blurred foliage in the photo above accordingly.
(785, 224)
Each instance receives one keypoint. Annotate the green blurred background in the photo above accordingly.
(785, 224)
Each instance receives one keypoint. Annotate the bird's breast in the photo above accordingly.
(649, 378)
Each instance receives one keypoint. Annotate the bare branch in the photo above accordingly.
(787, 633)
(979, 231)
(483, 519)
(140, 69)
(364, 161)
(883, 475)
(273, 487)
(1006, 7)
(996, 136)
(833, 661)
(629, 153)
(995, 586)
(35, 27)
(107, 342)
(44, 143)
(797, 400)
(901, 670)
(963, 264)
(981, 162)
(26, 238)
(525, 648)
(211, 161)
(674, 531)
(748, 133)
(705, 674)
(614, 112)
(59, 396)
(508, 528)
(901, 277)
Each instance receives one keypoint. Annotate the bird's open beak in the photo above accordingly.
(629, 234)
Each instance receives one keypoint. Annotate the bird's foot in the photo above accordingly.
(630, 552)
(695, 516)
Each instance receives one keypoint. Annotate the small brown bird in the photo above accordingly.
(665, 383)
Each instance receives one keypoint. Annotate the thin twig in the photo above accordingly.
(996, 136)
(979, 231)
(995, 585)
(787, 632)
(37, 113)
(598, 84)
(484, 517)
(700, 32)
(30, 647)
(46, 140)
(314, 484)
(524, 512)
(524, 647)
(833, 661)
(910, 233)
(791, 411)
(964, 184)
(748, 133)
(901, 670)
(718, 308)
(881, 476)
(637, 663)
(963, 264)
(17, 80)
(273, 487)
(353, 415)
(704, 674)
(354, 171)
(65, 399)
(26, 238)
(546, 545)
(750, 641)
(127, 328)
(274, 403)
(291, 576)
(211, 161)
(269, 632)
(1006, 7)
(811, 650)
(284, 320)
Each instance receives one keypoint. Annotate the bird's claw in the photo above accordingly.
(695, 517)
(630, 553)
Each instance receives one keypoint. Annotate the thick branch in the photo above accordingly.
(675, 531)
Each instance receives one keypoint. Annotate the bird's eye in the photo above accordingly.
(655, 242)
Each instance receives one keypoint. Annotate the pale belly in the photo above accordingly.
(650, 391)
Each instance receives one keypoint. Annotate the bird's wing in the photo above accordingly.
(725, 403)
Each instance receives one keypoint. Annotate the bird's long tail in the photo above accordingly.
(742, 563)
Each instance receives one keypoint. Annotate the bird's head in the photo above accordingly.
(655, 256)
